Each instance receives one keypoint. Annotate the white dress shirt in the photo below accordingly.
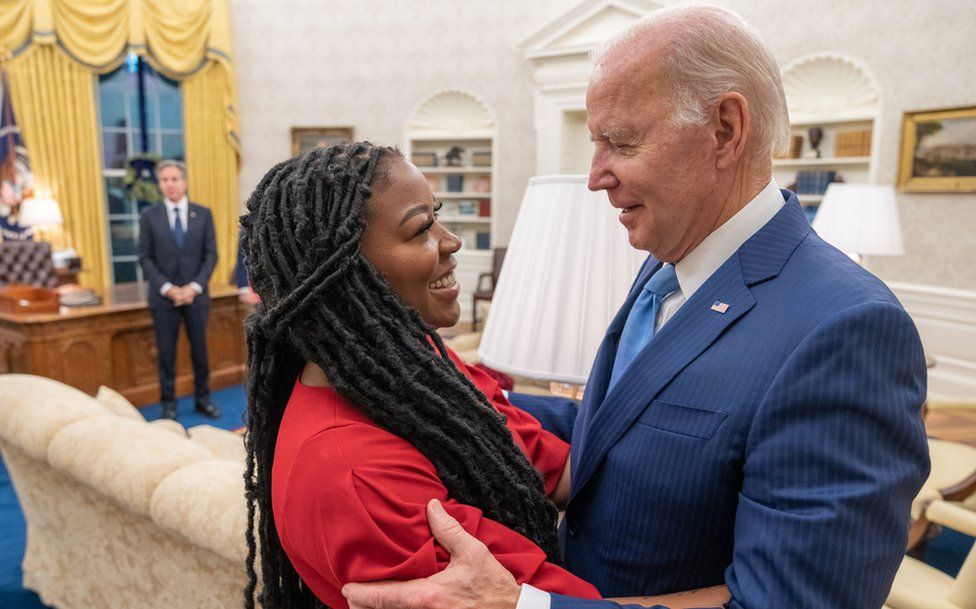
(701, 263)
(693, 271)
(181, 207)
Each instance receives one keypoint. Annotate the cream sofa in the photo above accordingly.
(120, 512)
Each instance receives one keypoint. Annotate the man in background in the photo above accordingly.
(751, 423)
(178, 252)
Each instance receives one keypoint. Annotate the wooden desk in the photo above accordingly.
(113, 344)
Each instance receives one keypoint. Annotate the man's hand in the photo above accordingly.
(189, 295)
(472, 580)
(181, 295)
(175, 294)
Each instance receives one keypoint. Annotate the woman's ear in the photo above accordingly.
(732, 129)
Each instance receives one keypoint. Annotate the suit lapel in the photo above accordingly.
(603, 362)
(605, 417)
(192, 224)
(683, 338)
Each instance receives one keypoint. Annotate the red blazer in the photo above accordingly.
(349, 497)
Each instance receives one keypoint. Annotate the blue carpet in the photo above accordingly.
(13, 532)
(945, 552)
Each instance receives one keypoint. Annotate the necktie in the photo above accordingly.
(639, 328)
(178, 229)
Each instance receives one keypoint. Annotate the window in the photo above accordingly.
(139, 111)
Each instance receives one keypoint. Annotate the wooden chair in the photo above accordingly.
(486, 293)
(919, 586)
(953, 478)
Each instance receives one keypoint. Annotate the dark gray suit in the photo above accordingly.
(162, 261)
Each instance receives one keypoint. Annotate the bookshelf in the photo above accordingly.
(464, 188)
(835, 94)
(809, 174)
(451, 139)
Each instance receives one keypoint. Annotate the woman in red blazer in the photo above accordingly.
(358, 414)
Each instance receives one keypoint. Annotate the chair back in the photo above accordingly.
(497, 259)
(27, 262)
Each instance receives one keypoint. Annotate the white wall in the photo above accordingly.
(921, 54)
(367, 63)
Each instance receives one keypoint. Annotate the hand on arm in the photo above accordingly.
(472, 580)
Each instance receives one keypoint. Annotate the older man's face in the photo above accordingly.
(658, 175)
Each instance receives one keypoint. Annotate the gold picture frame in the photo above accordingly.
(306, 138)
(938, 151)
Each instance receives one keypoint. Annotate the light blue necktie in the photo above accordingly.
(178, 229)
(639, 328)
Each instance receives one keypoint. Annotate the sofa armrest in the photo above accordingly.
(204, 502)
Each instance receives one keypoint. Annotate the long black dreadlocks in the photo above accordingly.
(322, 301)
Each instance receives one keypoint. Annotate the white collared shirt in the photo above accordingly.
(693, 271)
(183, 207)
(701, 263)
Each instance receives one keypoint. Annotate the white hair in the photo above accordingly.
(711, 51)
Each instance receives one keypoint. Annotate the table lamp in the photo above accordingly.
(860, 219)
(568, 270)
(45, 216)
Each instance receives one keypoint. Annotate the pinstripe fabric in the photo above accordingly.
(775, 447)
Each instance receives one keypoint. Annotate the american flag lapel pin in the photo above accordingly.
(719, 306)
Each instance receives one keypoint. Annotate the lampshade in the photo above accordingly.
(567, 270)
(40, 212)
(860, 219)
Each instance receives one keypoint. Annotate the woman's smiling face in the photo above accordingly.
(413, 251)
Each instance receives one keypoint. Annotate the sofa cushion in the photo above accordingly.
(222, 443)
(204, 502)
(170, 425)
(116, 403)
(121, 458)
(33, 409)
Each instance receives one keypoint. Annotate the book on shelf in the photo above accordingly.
(814, 182)
(424, 159)
(484, 208)
(481, 158)
(455, 183)
(796, 147)
(853, 143)
(483, 240)
(467, 208)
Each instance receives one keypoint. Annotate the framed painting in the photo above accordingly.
(306, 138)
(938, 151)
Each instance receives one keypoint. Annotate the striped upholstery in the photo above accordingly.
(775, 447)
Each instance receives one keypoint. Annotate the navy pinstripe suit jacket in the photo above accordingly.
(775, 447)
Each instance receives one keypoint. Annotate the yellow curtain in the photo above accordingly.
(55, 103)
(212, 158)
(188, 40)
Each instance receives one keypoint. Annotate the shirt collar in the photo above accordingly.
(694, 269)
(180, 205)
